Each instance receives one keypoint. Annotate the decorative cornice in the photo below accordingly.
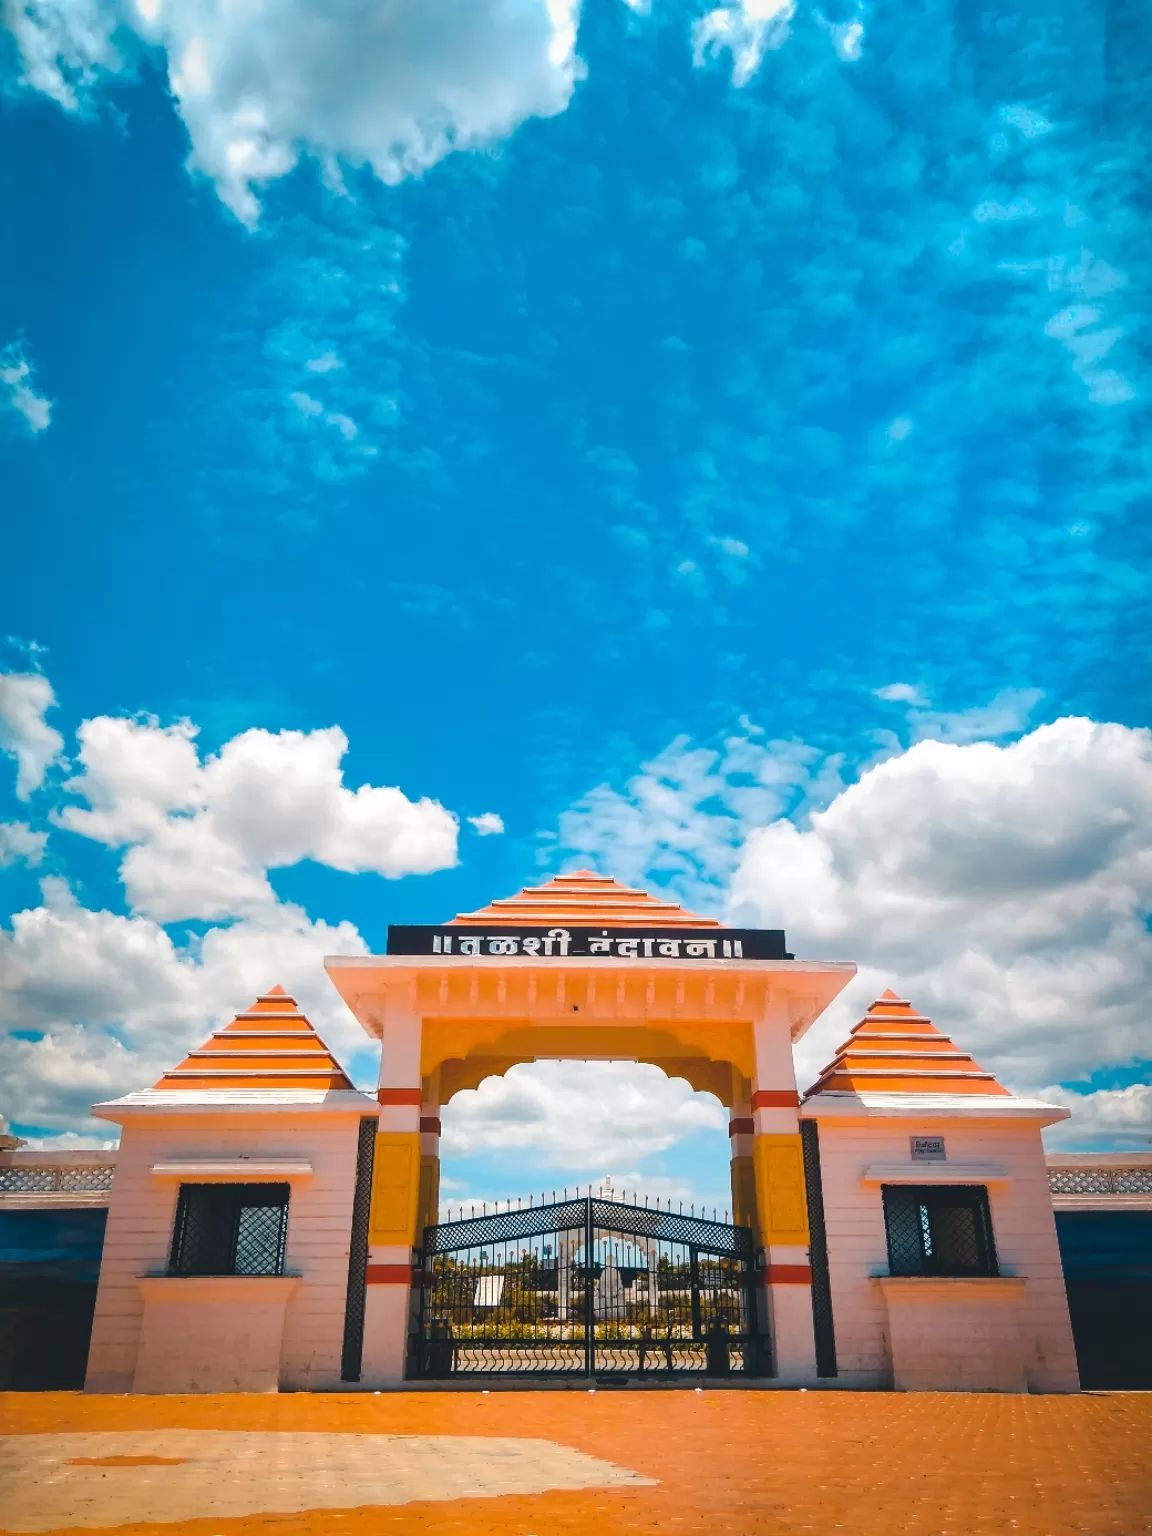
(236, 1101)
(835, 1105)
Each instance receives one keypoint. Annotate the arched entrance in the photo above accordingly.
(584, 967)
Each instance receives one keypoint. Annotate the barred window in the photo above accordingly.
(943, 1229)
(230, 1229)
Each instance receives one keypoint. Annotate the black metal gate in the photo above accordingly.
(588, 1286)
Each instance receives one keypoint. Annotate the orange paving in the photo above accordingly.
(748, 1463)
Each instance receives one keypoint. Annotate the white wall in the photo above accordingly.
(213, 1334)
(956, 1334)
(142, 1211)
(1023, 1227)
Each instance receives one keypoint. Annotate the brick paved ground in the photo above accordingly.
(753, 1464)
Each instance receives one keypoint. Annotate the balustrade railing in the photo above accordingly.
(1089, 1180)
(50, 1179)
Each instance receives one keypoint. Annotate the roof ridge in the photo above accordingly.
(862, 1056)
(313, 1062)
(586, 899)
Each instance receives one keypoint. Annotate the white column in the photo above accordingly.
(787, 1273)
(388, 1302)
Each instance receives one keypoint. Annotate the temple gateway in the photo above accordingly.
(270, 1227)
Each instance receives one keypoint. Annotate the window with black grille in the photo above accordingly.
(938, 1230)
(230, 1229)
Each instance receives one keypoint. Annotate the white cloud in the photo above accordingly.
(578, 1116)
(1077, 326)
(847, 37)
(392, 84)
(315, 412)
(1005, 715)
(63, 44)
(17, 389)
(487, 824)
(848, 40)
(346, 427)
(95, 1003)
(902, 693)
(25, 698)
(747, 31)
(1027, 122)
(685, 815)
(993, 212)
(201, 835)
(106, 1003)
(729, 546)
(1111, 1117)
(307, 405)
(135, 773)
(20, 844)
(69, 1141)
(1005, 889)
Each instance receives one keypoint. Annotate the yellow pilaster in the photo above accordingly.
(395, 1189)
(780, 1192)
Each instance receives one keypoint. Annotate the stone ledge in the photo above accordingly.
(935, 1173)
(992, 1288)
(185, 1288)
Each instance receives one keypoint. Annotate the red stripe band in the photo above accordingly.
(741, 1127)
(430, 1123)
(400, 1096)
(775, 1098)
(786, 1274)
(389, 1274)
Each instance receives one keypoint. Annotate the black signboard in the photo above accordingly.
(605, 943)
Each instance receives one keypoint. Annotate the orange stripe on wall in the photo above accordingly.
(775, 1098)
(786, 1274)
(389, 1274)
(400, 1096)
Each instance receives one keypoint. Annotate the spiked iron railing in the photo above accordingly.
(465, 1210)
(636, 1220)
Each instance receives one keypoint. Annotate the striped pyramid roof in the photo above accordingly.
(586, 900)
(894, 1049)
(271, 1045)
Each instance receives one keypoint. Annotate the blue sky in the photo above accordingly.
(775, 387)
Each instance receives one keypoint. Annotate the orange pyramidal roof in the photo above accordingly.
(586, 900)
(894, 1049)
(272, 1045)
